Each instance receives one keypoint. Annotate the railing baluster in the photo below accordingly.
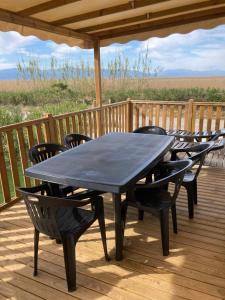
(39, 133)
(74, 126)
(95, 124)
(157, 115)
(3, 173)
(151, 107)
(23, 154)
(136, 116)
(209, 118)
(171, 125)
(13, 159)
(179, 115)
(218, 117)
(68, 130)
(201, 117)
(164, 116)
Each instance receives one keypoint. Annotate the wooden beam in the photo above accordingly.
(155, 15)
(44, 6)
(13, 18)
(107, 11)
(97, 63)
(162, 23)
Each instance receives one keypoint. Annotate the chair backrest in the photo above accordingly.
(151, 130)
(166, 172)
(74, 139)
(219, 133)
(198, 151)
(51, 215)
(41, 152)
(197, 154)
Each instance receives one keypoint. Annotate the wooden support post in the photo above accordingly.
(98, 87)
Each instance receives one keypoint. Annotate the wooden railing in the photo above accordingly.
(16, 139)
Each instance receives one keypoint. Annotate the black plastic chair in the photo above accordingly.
(151, 130)
(219, 142)
(64, 219)
(196, 154)
(74, 139)
(155, 198)
(41, 152)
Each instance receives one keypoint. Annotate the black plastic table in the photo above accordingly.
(112, 163)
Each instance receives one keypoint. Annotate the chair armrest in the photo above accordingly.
(85, 194)
(83, 198)
(73, 201)
(36, 189)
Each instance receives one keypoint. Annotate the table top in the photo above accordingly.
(111, 163)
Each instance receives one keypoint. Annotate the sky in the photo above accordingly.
(200, 50)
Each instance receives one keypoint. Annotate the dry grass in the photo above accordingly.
(135, 83)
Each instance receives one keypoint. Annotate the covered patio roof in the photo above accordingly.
(96, 23)
(81, 22)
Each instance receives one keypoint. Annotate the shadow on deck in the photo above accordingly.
(195, 268)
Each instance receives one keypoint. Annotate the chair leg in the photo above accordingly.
(195, 188)
(101, 221)
(140, 215)
(174, 217)
(69, 244)
(164, 223)
(190, 195)
(36, 242)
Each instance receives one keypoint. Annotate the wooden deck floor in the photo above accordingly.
(195, 268)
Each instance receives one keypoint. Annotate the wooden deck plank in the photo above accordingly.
(195, 268)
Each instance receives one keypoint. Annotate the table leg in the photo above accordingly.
(118, 226)
(54, 189)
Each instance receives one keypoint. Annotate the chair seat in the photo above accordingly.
(156, 198)
(74, 219)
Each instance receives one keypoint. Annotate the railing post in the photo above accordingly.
(190, 114)
(52, 129)
(129, 116)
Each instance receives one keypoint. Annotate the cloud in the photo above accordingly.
(29, 54)
(115, 49)
(198, 50)
(61, 51)
(6, 65)
(11, 41)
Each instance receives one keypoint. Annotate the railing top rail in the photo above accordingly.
(159, 102)
(23, 124)
(117, 103)
(209, 103)
(65, 115)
